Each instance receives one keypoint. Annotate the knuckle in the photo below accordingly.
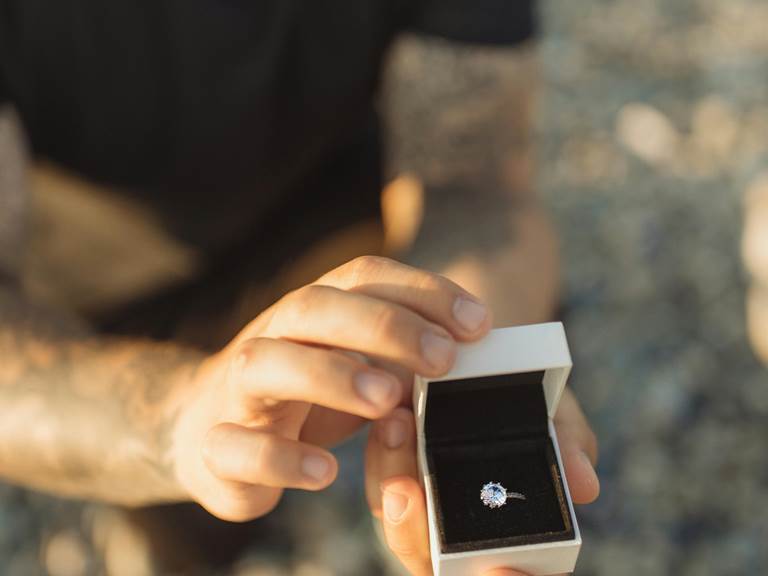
(402, 548)
(252, 350)
(386, 323)
(245, 365)
(297, 304)
(365, 267)
(261, 457)
(433, 288)
(306, 297)
(430, 282)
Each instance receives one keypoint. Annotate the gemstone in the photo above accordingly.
(493, 495)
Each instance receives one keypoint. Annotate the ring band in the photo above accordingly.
(494, 495)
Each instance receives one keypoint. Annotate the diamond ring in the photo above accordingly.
(494, 495)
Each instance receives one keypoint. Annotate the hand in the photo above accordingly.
(308, 372)
(395, 495)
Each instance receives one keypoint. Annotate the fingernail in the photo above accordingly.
(374, 388)
(437, 349)
(316, 467)
(394, 506)
(469, 314)
(393, 433)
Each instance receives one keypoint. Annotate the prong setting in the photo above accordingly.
(494, 495)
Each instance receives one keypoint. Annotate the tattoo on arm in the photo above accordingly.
(84, 416)
(79, 415)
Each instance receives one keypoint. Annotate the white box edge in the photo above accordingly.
(483, 359)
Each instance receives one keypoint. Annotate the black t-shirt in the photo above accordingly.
(234, 120)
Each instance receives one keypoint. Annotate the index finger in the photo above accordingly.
(430, 295)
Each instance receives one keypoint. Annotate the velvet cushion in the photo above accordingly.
(493, 429)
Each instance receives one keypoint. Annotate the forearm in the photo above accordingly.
(85, 416)
(461, 124)
(518, 276)
(520, 279)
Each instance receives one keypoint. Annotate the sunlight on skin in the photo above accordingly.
(755, 254)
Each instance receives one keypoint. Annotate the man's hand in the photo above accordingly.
(309, 371)
(396, 497)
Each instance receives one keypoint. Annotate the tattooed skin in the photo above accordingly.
(460, 120)
(83, 416)
(92, 417)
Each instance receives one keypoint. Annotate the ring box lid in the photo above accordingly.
(536, 353)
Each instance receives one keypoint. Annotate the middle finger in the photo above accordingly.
(352, 321)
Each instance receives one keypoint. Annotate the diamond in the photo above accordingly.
(493, 495)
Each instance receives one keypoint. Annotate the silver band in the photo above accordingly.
(494, 495)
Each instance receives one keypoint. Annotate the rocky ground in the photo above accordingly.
(654, 123)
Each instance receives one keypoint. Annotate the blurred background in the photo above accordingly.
(652, 154)
(654, 130)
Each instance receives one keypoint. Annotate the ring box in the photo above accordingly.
(490, 420)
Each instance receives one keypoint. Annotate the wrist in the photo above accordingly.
(192, 413)
(156, 430)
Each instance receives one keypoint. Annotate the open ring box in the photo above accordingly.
(490, 420)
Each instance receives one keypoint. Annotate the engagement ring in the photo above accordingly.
(494, 495)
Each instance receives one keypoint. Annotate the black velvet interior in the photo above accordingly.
(486, 407)
(493, 429)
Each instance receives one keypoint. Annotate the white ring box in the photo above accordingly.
(490, 420)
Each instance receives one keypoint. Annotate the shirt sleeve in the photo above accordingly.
(476, 21)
